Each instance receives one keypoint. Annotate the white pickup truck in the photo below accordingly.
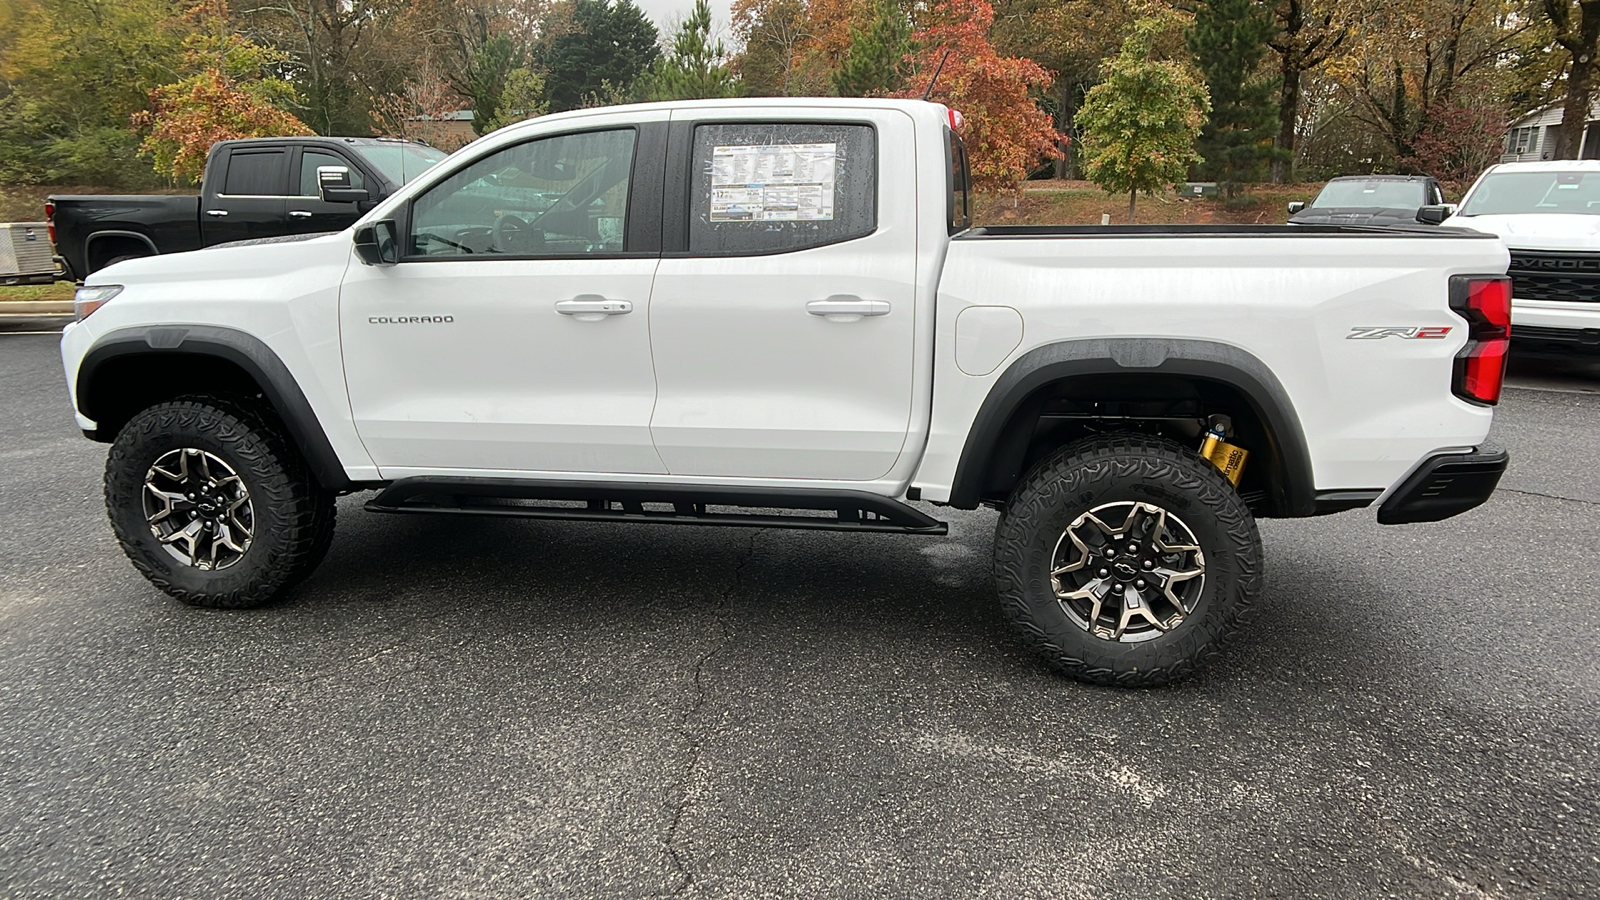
(775, 313)
(1548, 215)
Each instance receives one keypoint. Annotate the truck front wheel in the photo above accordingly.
(1127, 560)
(213, 506)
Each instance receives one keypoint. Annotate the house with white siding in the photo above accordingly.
(1533, 137)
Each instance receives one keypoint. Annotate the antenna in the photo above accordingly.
(935, 79)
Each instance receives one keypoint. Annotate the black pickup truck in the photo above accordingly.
(254, 188)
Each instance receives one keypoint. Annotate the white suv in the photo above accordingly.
(1548, 214)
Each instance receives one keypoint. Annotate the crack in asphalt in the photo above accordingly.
(692, 739)
(1507, 490)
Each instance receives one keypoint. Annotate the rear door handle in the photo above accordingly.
(219, 213)
(296, 213)
(593, 307)
(845, 308)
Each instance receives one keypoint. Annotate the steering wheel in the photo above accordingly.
(513, 235)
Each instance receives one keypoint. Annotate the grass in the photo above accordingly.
(1081, 203)
(61, 290)
(25, 203)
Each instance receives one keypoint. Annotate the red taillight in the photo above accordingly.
(1485, 302)
(50, 219)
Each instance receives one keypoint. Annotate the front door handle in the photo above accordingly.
(299, 214)
(847, 308)
(593, 307)
(219, 213)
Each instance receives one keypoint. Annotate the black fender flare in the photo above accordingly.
(247, 352)
(1208, 360)
(88, 243)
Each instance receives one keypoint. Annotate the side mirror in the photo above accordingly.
(377, 245)
(1295, 206)
(333, 186)
(1435, 215)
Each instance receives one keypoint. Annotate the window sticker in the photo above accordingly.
(773, 182)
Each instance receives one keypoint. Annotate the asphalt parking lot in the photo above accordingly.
(484, 708)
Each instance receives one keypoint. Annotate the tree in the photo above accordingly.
(341, 55)
(1404, 60)
(230, 93)
(1307, 33)
(521, 98)
(696, 66)
(875, 63)
(1577, 31)
(1458, 143)
(609, 42)
(1140, 123)
(1072, 38)
(71, 74)
(772, 32)
(1006, 133)
(1229, 39)
(491, 66)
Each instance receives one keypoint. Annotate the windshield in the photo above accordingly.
(1510, 193)
(1386, 194)
(400, 162)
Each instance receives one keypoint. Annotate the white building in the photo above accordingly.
(1533, 137)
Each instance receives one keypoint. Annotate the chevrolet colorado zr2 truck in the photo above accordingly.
(775, 313)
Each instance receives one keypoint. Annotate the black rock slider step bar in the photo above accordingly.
(590, 501)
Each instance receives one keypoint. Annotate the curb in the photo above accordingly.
(35, 307)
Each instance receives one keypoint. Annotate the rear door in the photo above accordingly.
(782, 319)
(250, 200)
(308, 214)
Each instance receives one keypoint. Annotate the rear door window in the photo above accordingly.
(777, 187)
(256, 173)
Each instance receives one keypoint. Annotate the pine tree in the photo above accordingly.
(611, 42)
(1228, 40)
(875, 62)
(695, 67)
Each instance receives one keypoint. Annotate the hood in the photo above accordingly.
(1354, 215)
(261, 258)
(1537, 231)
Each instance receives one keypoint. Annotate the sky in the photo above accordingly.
(666, 13)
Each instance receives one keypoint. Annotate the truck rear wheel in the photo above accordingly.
(1127, 560)
(213, 506)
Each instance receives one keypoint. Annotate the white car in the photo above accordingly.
(1548, 214)
(775, 313)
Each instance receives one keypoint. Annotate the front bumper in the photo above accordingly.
(1445, 485)
(1575, 326)
(1584, 340)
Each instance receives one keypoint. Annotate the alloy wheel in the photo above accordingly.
(198, 507)
(1128, 571)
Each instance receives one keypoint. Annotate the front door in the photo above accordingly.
(783, 322)
(514, 336)
(308, 212)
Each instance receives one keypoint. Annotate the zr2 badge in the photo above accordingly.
(1412, 333)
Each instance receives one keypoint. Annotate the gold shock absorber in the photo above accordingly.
(1226, 457)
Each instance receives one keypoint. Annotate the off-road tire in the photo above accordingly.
(293, 514)
(1110, 469)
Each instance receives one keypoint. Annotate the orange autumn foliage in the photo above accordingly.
(1006, 132)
